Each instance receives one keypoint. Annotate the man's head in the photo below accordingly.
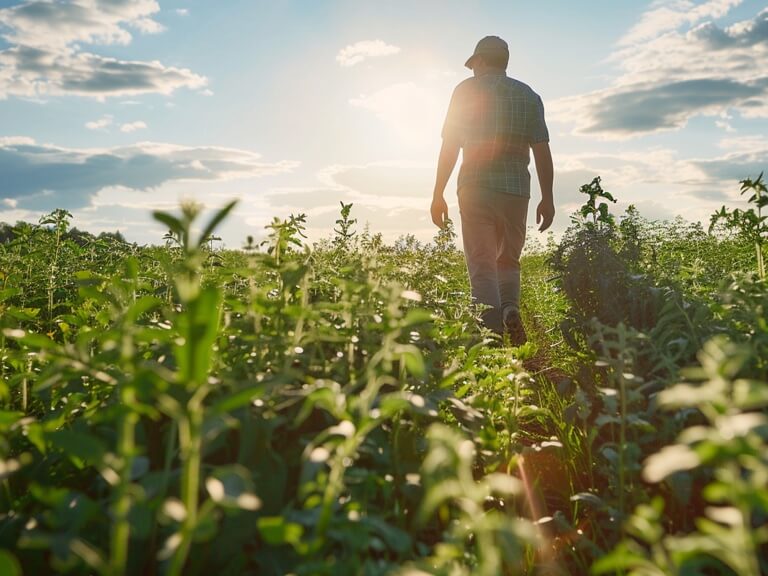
(490, 52)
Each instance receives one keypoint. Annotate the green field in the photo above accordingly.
(333, 408)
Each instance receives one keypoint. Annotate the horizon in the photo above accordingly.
(110, 112)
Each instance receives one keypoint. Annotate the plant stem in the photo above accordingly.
(121, 529)
(623, 424)
(25, 387)
(190, 445)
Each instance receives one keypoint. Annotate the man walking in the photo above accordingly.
(496, 120)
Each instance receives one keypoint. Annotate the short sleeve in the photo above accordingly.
(537, 131)
(455, 119)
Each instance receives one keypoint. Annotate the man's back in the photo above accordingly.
(496, 119)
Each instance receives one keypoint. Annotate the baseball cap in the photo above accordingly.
(488, 45)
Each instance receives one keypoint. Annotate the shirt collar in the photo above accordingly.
(493, 72)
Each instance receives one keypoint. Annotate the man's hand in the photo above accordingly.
(439, 211)
(449, 153)
(545, 213)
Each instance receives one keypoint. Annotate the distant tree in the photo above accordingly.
(6, 233)
(117, 236)
(79, 237)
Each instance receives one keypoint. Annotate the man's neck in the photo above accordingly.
(491, 72)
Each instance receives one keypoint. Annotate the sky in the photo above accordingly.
(114, 108)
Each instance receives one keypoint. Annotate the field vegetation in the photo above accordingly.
(289, 408)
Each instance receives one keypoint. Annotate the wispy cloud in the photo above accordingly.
(101, 123)
(691, 187)
(133, 126)
(650, 107)
(60, 23)
(704, 69)
(665, 16)
(736, 165)
(363, 50)
(69, 177)
(46, 55)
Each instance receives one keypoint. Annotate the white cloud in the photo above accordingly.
(360, 51)
(182, 11)
(747, 143)
(46, 55)
(133, 126)
(99, 124)
(32, 72)
(44, 175)
(60, 23)
(666, 80)
(725, 125)
(665, 16)
(16, 141)
(148, 26)
(130, 211)
(660, 182)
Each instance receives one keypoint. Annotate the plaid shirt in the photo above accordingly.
(496, 119)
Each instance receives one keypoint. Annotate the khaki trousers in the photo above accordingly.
(493, 228)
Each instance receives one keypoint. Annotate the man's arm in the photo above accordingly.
(449, 153)
(545, 211)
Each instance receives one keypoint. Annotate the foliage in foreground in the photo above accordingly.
(689, 459)
(180, 410)
(334, 410)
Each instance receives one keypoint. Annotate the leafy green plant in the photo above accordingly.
(593, 213)
(312, 409)
(197, 326)
(594, 267)
(495, 539)
(728, 450)
(750, 223)
(344, 232)
(60, 220)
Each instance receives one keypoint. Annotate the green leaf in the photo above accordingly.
(81, 449)
(417, 316)
(198, 328)
(504, 484)
(395, 538)
(142, 306)
(391, 404)
(216, 220)
(750, 394)
(592, 499)
(173, 223)
(34, 341)
(9, 565)
(413, 359)
(670, 459)
(624, 558)
(238, 399)
(8, 418)
(7, 293)
(231, 487)
(276, 530)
